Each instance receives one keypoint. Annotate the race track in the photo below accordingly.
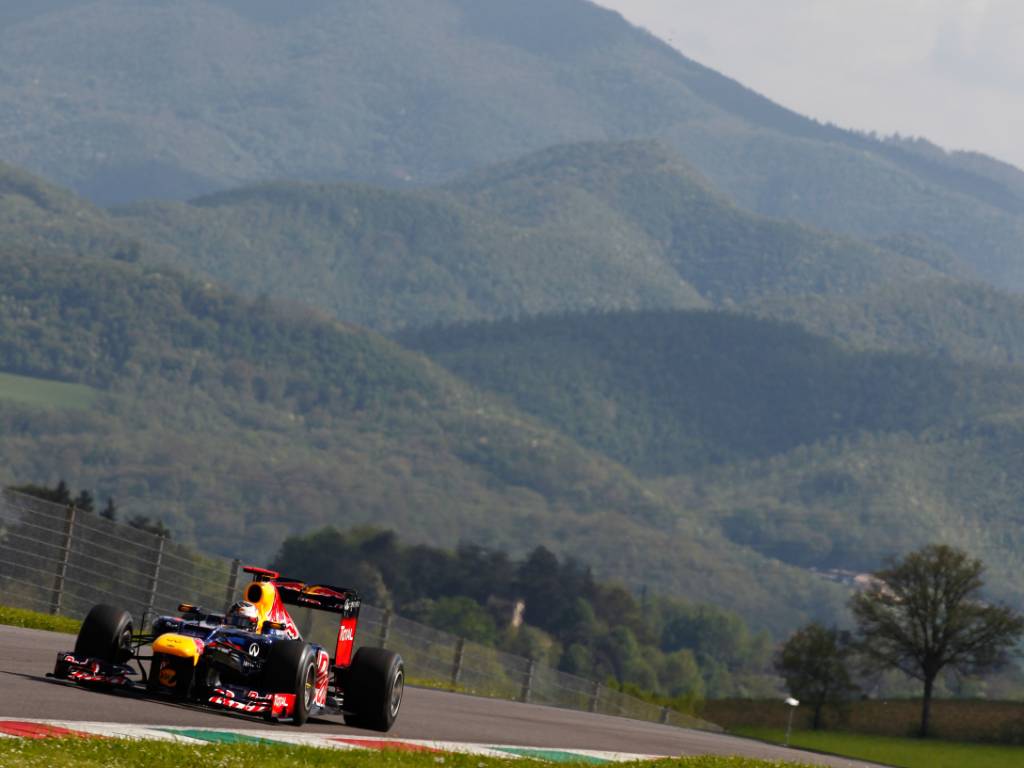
(27, 655)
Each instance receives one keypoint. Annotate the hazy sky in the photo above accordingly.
(949, 70)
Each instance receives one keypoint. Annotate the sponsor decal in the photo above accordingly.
(254, 649)
(346, 639)
(323, 666)
(167, 675)
(253, 707)
(283, 705)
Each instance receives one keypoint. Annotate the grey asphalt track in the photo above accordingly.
(26, 656)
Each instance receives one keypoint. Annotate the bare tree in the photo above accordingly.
(924, 613)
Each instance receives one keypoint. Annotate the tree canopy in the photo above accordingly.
(925, 612)
(815, 664)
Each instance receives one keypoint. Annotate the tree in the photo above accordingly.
(923, 614)
(814, 662)
(85, 502)
(149, 525)
(109, 512)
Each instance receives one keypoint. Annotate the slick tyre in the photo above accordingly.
(291, 668)
(106, 634)
(374, 684)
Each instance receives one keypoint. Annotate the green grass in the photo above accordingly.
(906, 753)
(19, 617)
(46, 393)
(118, 753)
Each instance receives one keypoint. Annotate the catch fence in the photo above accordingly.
(62, 560)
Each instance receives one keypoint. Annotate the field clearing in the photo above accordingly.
(903, 752)
(954, 720)
(121, 753)
(46, 393)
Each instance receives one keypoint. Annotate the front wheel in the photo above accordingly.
(291, 668)
(106, 634)
(373, 686)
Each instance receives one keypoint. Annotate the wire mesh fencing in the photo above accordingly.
(62, 560)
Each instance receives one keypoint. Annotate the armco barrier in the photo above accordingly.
(62, 560)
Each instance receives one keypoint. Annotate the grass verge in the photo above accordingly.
(46, 393)
(19, 617)
(906, 753)
(117, 753)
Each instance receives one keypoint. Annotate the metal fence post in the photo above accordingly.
(385, 629)
(56, 603)
(460, 649)
(155, 578)
(229, 596)
(595, 694)
(528, 682)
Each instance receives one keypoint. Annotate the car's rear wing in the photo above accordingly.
(320, 597)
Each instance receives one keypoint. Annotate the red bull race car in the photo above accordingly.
(250, 660)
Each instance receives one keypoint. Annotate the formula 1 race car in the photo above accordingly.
(250, 660)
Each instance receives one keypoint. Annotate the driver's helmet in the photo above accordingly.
(244, 615)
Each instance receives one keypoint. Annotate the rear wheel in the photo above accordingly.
(373, 685)
(291, 668)
(106, 634)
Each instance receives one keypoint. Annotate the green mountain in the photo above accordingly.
(666, 392)
(239, 423)
(387, 259)
(38, 216)
(948, 319)
(174, 99)
(801, 448)
(573, 228)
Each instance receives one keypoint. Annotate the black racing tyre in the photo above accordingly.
(106, 634)
(373, 685)
(291, 668)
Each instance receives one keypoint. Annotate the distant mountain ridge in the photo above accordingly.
(176, 99)
(573, 228)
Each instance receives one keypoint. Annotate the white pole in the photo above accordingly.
(793, 704)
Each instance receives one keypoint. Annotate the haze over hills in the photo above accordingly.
(420, 91)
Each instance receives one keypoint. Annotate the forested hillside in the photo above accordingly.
(387, 259)
(666, 392)
(237, 424)
(419, 91)
(788, 443)
(948, 319)
(594, 226)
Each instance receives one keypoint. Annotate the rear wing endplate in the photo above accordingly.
(324, 597)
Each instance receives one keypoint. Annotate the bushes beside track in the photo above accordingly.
(19, 617)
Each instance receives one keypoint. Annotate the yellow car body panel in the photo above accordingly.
(177, 645)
